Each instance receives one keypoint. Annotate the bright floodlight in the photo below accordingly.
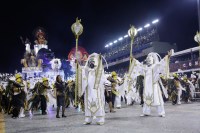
(155, 21)
(111, 44)
(147, 25)
(125, 36)
(121, 38)
(139, 29)
(115, 41)
(107, 46)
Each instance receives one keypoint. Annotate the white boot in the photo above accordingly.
(21, 114)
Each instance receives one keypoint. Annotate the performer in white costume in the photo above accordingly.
(151, 71)
(93, 80)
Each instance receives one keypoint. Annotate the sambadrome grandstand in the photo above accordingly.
(147, 40)
(185, 62)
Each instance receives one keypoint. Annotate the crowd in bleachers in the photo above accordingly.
(141, 41)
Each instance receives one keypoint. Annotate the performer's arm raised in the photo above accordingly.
(136, 68)
(162, 67)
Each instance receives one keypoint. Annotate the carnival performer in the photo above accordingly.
(151, 71)
(34, 100)
(27, 83)
(70, 94)
(177, 91)
(117, 89)
(189, 90)
(93, 79)
(4, 100)
(120, 90)
(192, 88)
(18, 97)
(60, 95)
(9, 96)
(113, 89)
(42, 90)
(108, 95)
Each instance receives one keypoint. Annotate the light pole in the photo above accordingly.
(77, 29)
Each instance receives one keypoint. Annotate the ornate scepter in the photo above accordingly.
(77, 29)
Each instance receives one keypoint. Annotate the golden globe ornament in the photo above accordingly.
(197, 37)
(132, 32)
(77, 27)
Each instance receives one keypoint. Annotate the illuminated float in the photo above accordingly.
(40, 61)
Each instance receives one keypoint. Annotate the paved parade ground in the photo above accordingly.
(183, 118)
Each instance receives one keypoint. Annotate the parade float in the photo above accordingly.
(40, 61)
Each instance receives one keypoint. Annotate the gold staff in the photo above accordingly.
(77, 29)
(131, 33)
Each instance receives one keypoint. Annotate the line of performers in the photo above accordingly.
(146, 82)
(18, 96)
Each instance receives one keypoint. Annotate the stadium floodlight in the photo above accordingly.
(115, 41)
(155, 21)
(121, 38)
(147, 25)
(139, 29)
(107, 46)
(111, 44)
(125, 36)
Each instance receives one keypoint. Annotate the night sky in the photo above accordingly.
(103, 21)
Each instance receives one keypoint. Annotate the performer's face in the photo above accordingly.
(59, 79)
(91, 64)
(46, 83)
(150, 60)
(56, 62)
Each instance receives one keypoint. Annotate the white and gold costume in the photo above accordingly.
(152, 90)
(92, 85)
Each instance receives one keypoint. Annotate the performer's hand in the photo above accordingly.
(169, 53)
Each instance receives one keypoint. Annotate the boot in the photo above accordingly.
(63, 112)
(21, 115)
(111, 108)
(57, 115)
